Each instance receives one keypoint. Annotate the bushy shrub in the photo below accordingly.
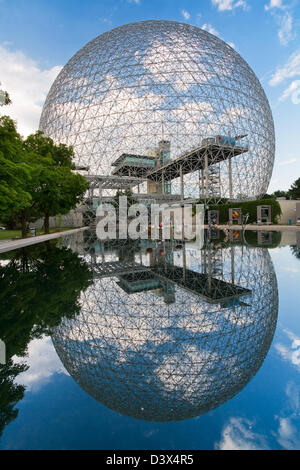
(248, 207)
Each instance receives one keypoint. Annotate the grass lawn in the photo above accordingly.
(8, 234)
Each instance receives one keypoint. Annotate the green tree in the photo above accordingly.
(59, 189)
(4, 98)
(295, 250)
(15, 174)
(36, 177)
(294, 191)
(279, 193)
(10, 393)
(39, 286)
(58, 155)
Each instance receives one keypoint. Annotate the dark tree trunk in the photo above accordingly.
(46, 223)
(24, 260)
(24, 226)
(12, 224)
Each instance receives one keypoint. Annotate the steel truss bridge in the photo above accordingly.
(210, 288)
(204, 159)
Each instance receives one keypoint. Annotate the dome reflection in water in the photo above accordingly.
(170, 332)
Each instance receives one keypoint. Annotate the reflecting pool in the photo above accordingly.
(151, 345)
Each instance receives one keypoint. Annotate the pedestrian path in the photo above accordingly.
(8, 245)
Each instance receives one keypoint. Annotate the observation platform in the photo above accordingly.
(133, 165)
(113, 182)
(131, 170)
(203, 158)
(213, 290)
(117, 268)
(197, 159)
(139, 282)
(134, 277)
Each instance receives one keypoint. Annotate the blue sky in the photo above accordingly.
(37, 37)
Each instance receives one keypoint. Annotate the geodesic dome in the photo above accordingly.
(142, 82)
(166, 354)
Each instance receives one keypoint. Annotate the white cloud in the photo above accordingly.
(274, 4)
(288, 435)
(43, 362)
(208, 27)
(292, 392)
(185, 14)
(238, 435)
(292, 90)
(291, 353)
(287, 162)
(231, 44)
(223, 5)
(27, 84)
(285, 30)
(289, 70)
(284, 19)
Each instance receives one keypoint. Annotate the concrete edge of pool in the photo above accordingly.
(8, 245)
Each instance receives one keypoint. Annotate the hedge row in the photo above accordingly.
(248, 207)
(250, 237)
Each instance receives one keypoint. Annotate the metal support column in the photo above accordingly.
(184, 261)
(181, 184)
(230, 177)
(202, 183)
(206, 174)
(209, 270)
(232, 264)
(100, 193)
(91, 194)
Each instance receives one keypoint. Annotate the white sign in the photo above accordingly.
(2, 352)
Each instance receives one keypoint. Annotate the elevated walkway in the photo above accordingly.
(213, 290)
(134, 277)
(205, 158)
(197, 159)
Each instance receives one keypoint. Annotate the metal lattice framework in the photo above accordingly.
(139, 83)
(156, 347)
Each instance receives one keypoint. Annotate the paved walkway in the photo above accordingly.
(274, 228)
(8, 245)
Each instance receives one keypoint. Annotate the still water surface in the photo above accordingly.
(146, 345)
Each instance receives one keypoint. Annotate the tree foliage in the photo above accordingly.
(4, 98)
(279, 193)
(10, 393)
(15, 174)
(38, 287)
(294, 191)
(36, 177)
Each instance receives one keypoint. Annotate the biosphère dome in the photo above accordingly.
(143, 82)
(175, 356)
